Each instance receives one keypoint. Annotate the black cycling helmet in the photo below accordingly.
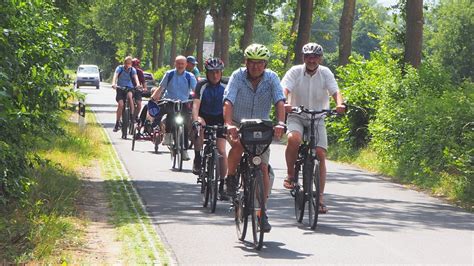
(214, 63)
(312, 48)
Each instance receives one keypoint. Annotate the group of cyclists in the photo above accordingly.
(250, 93)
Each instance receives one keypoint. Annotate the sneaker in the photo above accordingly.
(231, 186)
(116, 127)
(222, 194)
(167, 139)
(185, 156)
(266, 227)
(197, 165)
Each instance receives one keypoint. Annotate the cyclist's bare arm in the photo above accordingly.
(196, 107)
(157, 94)
(340, 107)
(136, 79)
(114, 81)
(280, 114)
(228, 113)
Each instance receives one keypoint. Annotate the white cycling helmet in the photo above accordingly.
(312, 48)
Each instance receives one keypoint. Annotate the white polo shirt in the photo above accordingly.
(310, 91)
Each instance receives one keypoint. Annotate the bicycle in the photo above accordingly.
(151, 132)
(256, 136)
(307, 164)
(127, 122)
(178, 146)
(210, 165)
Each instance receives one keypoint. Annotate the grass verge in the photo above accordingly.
(46, 227)
(445, 185)
(141, 243)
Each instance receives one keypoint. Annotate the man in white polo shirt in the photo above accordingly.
(310, 85)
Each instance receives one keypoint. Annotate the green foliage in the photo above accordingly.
(419, 123)
(33, 48)
(451, 37)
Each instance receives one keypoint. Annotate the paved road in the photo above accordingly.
(370, 219)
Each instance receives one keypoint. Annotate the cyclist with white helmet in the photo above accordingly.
(208, 110)
(250, 94)
(309, 84)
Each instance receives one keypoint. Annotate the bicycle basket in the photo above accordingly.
(256, 132)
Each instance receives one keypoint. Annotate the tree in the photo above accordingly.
(304, 28)
(294, 27)
(414, 32)
(345, 31)
(249, 20)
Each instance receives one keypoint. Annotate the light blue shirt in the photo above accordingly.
(124, 78)
(178, 88)
(248, 103)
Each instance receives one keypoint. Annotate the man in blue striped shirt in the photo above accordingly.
(250, 94)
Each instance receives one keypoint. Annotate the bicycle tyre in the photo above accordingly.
(131, 124)
(315, 195)
(308, 170)
(156, 140)
(299, 197)
(125, 120)
(257, 205)
(241, 214)
(174, 149)
(180, 147)
(214, 177)
(134, 138)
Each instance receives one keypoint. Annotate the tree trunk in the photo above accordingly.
(217, 30)
(414, 32)
(250, 9)
(304, 28)
(161, 52)
(225, 28)
(200, 42)
(174, 36)
(154, 52)
(193, 32)
(345, 31)
(140, 42)
(294, 27)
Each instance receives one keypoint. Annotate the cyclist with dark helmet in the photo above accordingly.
(250, 94)
(309, 84)
(208, 110)
(141, 79)
(191, 63)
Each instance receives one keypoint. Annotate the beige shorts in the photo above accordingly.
(298, 123)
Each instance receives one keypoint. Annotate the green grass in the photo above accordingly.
(44, 225)
(135, 230)
(446, 185)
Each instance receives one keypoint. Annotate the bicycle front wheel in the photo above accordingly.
(180, 147)
(315, 196)
(257, 206)
(241, 205)
(214, 176)
(308, 171)
(125, 119)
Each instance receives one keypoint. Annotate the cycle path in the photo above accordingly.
(370, 219)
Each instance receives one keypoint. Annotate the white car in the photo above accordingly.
(88, 75)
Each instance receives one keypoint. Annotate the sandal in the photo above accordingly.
(289, 183)
(323, 209)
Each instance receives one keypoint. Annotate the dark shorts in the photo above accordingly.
(214, 120)
(121, 95)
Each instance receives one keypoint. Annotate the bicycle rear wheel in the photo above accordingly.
(214, 176)
(257, 206)
(315, 195)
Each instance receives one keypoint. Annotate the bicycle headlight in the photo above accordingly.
(257, 160)
(179, 119)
